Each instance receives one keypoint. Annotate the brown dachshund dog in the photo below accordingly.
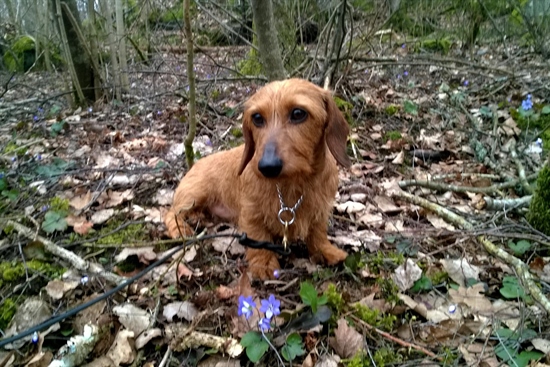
(294, 134)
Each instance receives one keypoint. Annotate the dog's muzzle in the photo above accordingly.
(270, 164)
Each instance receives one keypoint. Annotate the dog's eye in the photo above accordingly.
(298, 115)
(257, 120)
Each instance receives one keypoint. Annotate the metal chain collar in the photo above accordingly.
(290, 210)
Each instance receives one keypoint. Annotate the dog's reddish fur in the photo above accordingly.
(229, 184)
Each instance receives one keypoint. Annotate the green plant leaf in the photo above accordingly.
(54, 221)
(520, 247)
(56, 128)
(422, 284)
(486, 111)
(524, 357)
(309, 295)
(255, 345)
(410, 107)
(251, 338)
(545, 110)
(293, 347)
(57, 167)
(3, 184)
(12, 194)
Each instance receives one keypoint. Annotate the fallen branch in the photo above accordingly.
(520, 267)
(394, 339)
(506, 204)
(521, 172)
(76, 261)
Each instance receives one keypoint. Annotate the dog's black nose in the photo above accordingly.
(270, 164)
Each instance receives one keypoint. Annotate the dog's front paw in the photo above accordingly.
(176, 226)
(332, 254)
(262, 263)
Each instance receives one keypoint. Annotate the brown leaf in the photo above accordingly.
(346, 341)
(79, 202)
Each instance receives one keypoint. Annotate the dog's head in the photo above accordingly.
(287, 126)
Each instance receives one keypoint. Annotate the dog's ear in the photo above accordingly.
(249, 146)
(336, 132)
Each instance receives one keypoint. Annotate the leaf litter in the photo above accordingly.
(113, 167)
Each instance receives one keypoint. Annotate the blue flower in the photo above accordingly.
(35, 118)
(90, 109)
(1, 175)
(403, 45)
(45, 208)
(264, 324)
(527, 104)
(34, 338)
(246, 306)
(406, 73)
(466, 82)
(276, 273)
(271, 307)
(13, 159)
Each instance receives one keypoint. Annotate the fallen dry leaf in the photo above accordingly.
(102, 216)
(460, 269)
(145, 254)
(185, 310)
(122, 352)
(350, 207)
(346, 341)
(81, 201)
(133, 318)
(406, 275)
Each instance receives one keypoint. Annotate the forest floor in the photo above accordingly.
(461, 281)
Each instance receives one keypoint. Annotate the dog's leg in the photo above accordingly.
(317, 242)
(188, 203)
(261, 263)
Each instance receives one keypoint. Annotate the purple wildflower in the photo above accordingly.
(405, 73)
(527, 103)
(466, 82)
(246, 306)
(276, 273)
(264, 324)
(271, 307)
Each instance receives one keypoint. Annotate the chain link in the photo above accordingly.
(284, 208)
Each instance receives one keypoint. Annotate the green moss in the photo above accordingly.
(374, 317)
(438, 277)
(382, 261)
(12, 148)
(389, 290)
(13, 271)
(535, 121)
(346, 108)
(59, 205)
(7, 310)
(237, 132)
(334, 299)
(383, 356)
(251, 64)
(392, 109)
(392, 135)
(21, 49)
(131, 233)
(539, 209)
(442, 45)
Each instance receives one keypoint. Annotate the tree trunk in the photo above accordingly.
(66, 46)
(192, 120)
(121, 46)
(107, 13)
(93, 45)
(270, 51)
(79, 56)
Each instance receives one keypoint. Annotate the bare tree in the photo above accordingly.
(121, 46)
(189, 154)
(268, 43)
